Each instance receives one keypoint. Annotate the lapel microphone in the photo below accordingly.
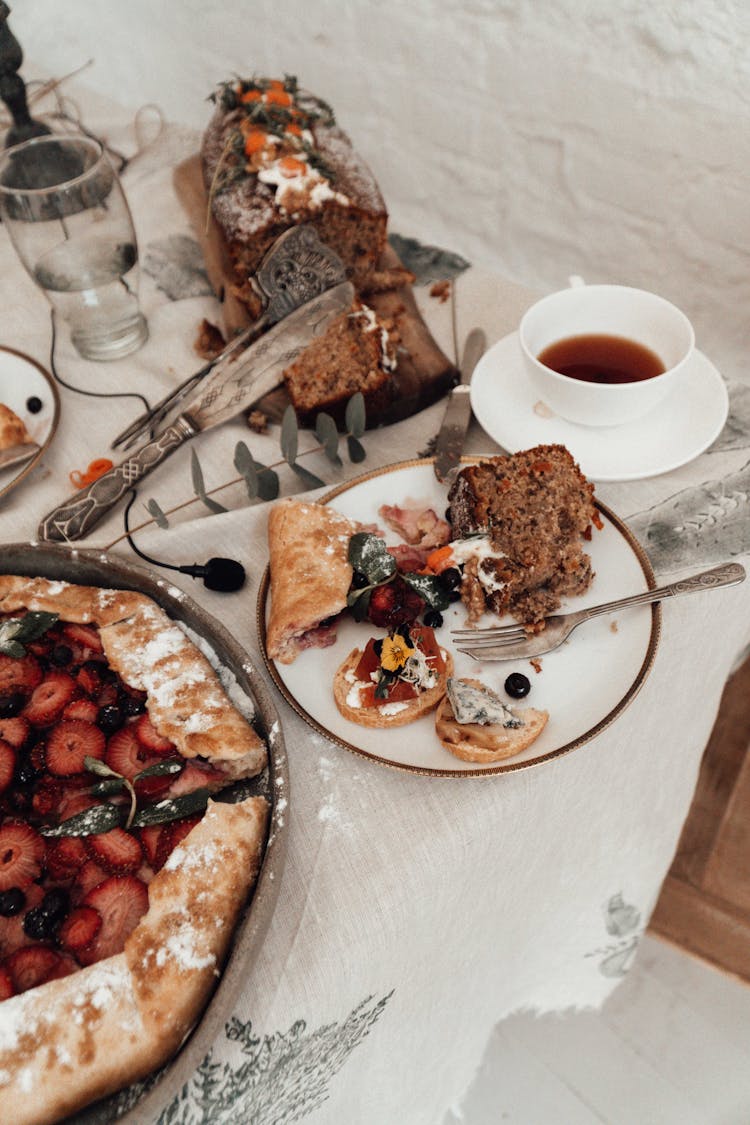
(224, 575)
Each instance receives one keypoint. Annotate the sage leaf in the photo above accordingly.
(358, 602)
(245, 466)
(368, 554)
(107, 787)
(95, 765)
(356, 450)
(156, 514)
(17, 632)
(200, 488)
(355, 416)
(12, 648)
(289, 436)
(159, 769)
(429, 588)
(90, 822)
(173, 809)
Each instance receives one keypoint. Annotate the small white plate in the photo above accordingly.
(21, 380)
(682, 426)
(584, 684)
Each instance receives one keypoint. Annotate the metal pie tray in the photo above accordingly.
(141, 1104)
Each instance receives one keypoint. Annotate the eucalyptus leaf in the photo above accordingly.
(429, 588)
(355, 416)
(90, 822)
(328, 436)
(245, 466)
(310, 480)
(268, 482)
(157, 514)
(368, 554)
(172, 809)
(357, 452)
(289, 436)
(199, 486)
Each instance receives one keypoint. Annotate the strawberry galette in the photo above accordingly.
(124, 861)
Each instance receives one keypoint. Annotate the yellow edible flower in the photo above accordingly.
(395, 653)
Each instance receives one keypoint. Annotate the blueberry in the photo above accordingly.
(359, 580)
(517, 685)
(10, 705)
(12, 902)
(110, 719)
(433, 618)
(61, 655)
(34, 404)
(26, 772)
(451, 578)
(131, 705)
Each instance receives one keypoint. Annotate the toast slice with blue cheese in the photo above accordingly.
(473, 723)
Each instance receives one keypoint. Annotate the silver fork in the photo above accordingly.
(512, 642)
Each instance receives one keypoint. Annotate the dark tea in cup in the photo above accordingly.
(601, 358)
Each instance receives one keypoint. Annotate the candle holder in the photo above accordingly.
(13, 87)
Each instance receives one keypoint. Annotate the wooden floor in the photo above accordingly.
(670, 1047)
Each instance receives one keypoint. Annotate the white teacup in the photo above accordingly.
(607, 310)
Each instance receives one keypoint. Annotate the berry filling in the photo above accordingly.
(93, 799)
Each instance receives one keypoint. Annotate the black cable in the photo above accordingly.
(224, 575)
(80, 390)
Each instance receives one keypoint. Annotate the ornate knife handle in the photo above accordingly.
(79, 515)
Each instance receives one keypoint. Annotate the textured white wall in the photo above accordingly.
(609, 138)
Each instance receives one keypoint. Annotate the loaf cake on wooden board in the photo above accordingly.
(272, 156)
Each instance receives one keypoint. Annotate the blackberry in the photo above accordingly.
(110, 719)
(40, 926)
(131, 705)
(433, 618)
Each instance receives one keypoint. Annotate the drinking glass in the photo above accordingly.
(66, 213)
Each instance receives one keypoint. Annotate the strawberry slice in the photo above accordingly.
(21, 855)
(15, 731)
(174, 833)
(116, 851)
(124, 753)
(89, 678)
(121, 900)
(80, 928)
(197, 776)
(65, 857)
(149, 737)
(7, 764)
(70, 743)
(84, 709)
(47, 796)
(19, 674)
(90, 876)
(149, 837)
(49, 699)
(6, 984)
(73, 801)
(30, 966)
(84, 635)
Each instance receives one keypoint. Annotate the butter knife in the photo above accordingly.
(232, 387)
(450, 439)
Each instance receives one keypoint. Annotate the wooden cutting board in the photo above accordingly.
(423, 374)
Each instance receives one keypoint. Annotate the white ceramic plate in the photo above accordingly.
(681, 427)
(584, 684)
(22, 379)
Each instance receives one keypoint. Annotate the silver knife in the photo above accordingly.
(232, 386)
(450, 439)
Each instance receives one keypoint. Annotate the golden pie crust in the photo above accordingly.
(308, 548)
(12, 430)
(73, 1040)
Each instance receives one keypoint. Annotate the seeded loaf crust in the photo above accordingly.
(310, 575)
(345, 205)
(537, 508)
(72, 1040)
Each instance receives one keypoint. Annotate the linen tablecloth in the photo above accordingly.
(414, 912)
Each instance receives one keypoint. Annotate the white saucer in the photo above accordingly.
(678, 430)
